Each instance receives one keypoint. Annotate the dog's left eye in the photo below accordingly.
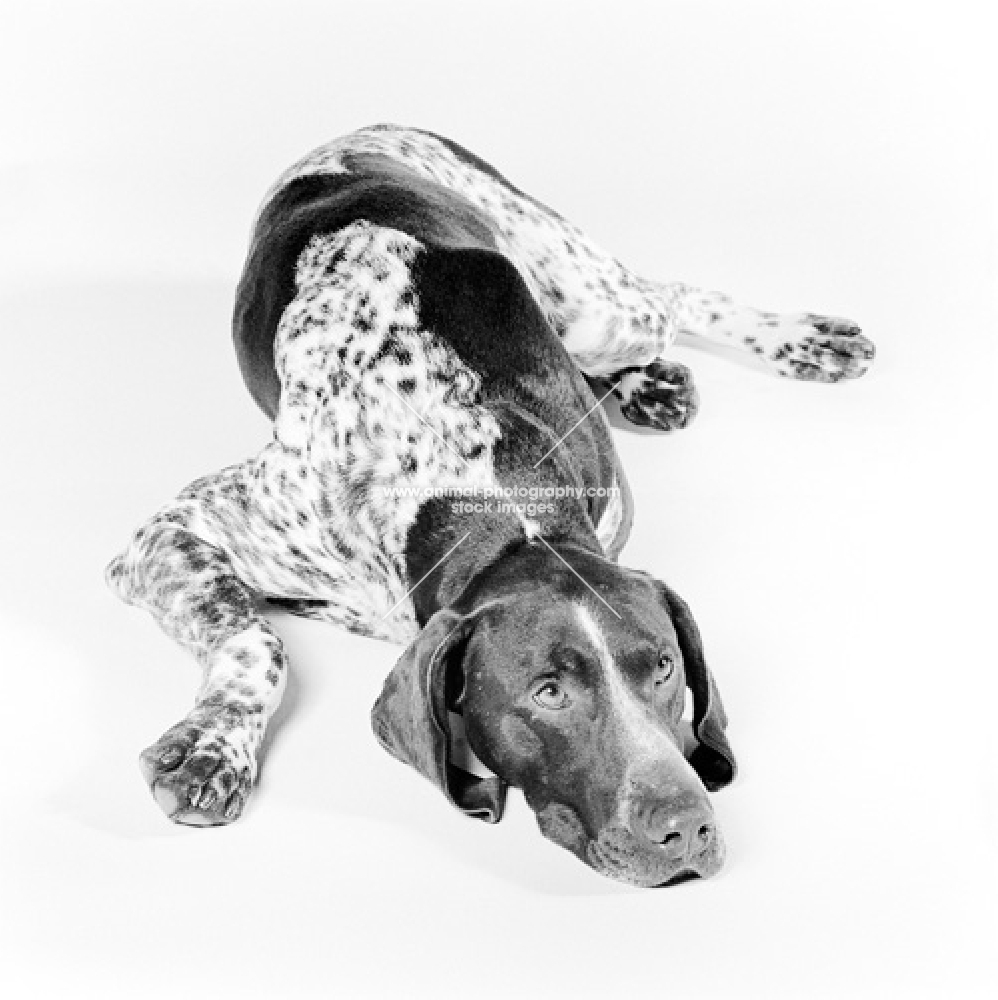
(551, 695)
(666, 667)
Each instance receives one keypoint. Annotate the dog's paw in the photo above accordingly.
(820, 349)
(660, 395)
(201, 771)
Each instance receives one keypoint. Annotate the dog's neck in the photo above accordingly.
(456, 542)
(462, 550)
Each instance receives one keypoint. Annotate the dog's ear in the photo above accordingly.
(711, 758)
(410, 717)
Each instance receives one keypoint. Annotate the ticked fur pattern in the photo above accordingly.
(369, 402)
(609, 318)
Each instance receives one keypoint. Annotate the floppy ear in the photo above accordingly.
(712, 758)
(410, 717)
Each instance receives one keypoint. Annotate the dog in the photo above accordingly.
(433, 346)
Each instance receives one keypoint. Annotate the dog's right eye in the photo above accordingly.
(551, 695)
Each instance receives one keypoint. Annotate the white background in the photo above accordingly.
(834, 541)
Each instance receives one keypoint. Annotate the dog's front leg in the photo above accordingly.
(202, 769)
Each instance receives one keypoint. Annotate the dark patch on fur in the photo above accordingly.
(379, 191)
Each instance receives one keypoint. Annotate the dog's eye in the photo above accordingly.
(666, 667)
(551, 695)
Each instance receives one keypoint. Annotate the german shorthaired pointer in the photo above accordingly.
(426, 338)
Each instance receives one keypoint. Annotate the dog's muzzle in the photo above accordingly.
(653, 841)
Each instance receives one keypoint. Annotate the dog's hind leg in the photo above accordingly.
(804, 346)
(615, 325)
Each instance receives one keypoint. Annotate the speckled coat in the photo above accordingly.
(412, 323)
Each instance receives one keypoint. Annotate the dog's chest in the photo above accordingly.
(376, 414)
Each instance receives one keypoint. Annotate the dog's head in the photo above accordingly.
(578, 700)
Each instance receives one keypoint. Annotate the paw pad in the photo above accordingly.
(660, 395)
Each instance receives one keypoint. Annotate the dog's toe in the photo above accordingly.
(823, 349)
(199, 776)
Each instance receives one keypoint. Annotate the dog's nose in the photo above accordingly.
(683, 828)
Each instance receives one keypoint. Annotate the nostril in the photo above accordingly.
(679, 826)
(674, 844)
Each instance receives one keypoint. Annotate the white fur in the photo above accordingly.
(646, 738)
